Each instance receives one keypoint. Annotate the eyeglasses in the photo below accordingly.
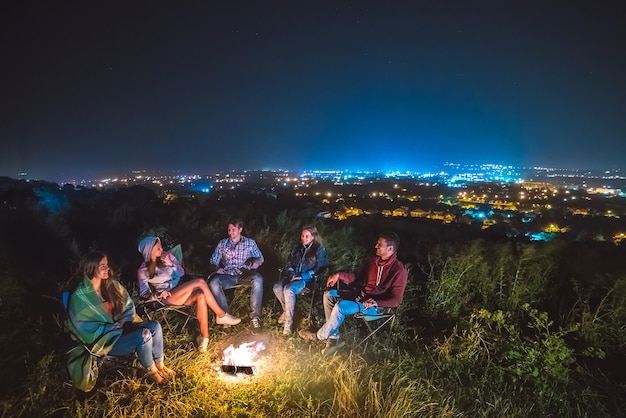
(103, 267)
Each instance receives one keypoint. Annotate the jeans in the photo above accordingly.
(222, 282)
(149, 347)
(286, 295)
(335, 310)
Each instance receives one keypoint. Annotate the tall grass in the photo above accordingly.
(293, 380)
(474, 343)
(394, 377)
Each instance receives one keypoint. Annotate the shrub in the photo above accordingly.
(486, 275)
(492, 350)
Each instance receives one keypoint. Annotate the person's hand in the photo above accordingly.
(370, 303)
(166, 261)
(118, 325)
(252, 264)
(164, 295)
(332, 280)
(294, 279)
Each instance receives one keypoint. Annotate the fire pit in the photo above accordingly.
(249, 370)
(240, 360)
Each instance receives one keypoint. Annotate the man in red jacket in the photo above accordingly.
(378, 287)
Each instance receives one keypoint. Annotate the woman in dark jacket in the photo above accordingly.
(304, 261)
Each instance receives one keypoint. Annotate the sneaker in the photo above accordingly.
(256, 323)
(281, 318)
(203, 343)
(332, 346)
(227, 319)
(308, 335)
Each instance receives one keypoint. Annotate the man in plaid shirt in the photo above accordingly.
(235, 261)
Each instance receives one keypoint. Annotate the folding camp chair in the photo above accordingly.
(374, 323)
(313, 287)
(155, 310)
(239, 294)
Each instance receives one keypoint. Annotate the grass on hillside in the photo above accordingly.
(292, 379)
(398, 375)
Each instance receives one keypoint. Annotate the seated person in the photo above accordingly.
(380, 285)
(304, 261)
(159, 276)
(235, 260)
(100, 316)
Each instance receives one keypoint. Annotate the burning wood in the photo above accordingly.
(241, 359)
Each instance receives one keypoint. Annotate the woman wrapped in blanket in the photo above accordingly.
(159, 278)
(101, 316)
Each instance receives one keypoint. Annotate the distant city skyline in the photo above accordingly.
(446, 167)
(451, 174)
(95, 88)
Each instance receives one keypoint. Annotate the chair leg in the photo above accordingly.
(385, 321)
(165, 323)
(183, 311)
(164, 320)
(186, 320)
(146, 313)
(313, 293)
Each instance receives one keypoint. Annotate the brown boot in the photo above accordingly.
(165, 371)
(154, 376)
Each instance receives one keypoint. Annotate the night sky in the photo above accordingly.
(94, 89)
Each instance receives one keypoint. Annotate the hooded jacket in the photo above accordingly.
(165, 278)
(382, 280)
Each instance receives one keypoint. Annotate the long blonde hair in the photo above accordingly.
(314, 232)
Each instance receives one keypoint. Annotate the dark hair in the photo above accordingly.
(89, 265)
(237, 222)
(391, 238)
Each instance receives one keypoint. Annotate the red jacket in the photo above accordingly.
(383, 281)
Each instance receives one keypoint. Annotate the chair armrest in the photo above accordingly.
(383, 313)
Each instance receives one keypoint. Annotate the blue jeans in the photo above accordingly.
(335, 310)
(149, 347)
(286, 295)
(222, 282)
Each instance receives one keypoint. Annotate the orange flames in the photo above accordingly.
(244, 355)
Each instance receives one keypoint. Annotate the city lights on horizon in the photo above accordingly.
(451, 174)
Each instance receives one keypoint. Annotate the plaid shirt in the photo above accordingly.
(232, 256)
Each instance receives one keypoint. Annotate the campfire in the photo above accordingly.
(240, 360)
